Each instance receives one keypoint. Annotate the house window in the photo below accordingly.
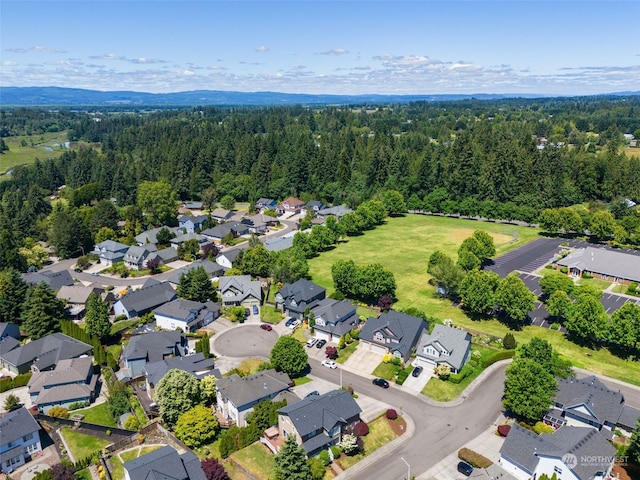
(26, 438)
(397, 354)
(378, 337)
(558, 470)
(31, 448)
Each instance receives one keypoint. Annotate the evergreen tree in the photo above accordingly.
(13, 292)
(195, 285)
(97, 317)
(291, 461)
(42, 313)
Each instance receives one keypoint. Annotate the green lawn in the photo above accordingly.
(270, 314)
(257, 460)
(380, 433)
(345, 353)
(301, 381)
(404, 245)
(98, 414)
(122, 325)
(250, 365)
(138, 452)
(34, 147)
(81, 445)
(386, 370)
(594, 282)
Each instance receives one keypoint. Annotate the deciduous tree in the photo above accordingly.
(289, 356)
(514, 298)
(197, 426)
(213, 469)
(478, 291)
(529, 389)
(158, 202)
(177, 392)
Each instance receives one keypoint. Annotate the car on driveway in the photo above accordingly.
(329, 364)
(266, 326)
(95, 274)
(312, 394)
(77, 270)
(381, 382)
(294, 325)
(321, 343)
(255, 310)
(465, 469)
(311, 342)
(289, 322)
(416, 372)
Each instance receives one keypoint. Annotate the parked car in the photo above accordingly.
(464, 468)
(321, 343)
(381, 382)
(255, 310)
(247, 312)
(289, 322)
(416, 372)
(312, 394)
(294, 324)
(329, 364)
(311, 342)
(266, 326)
(95, 274)
(77, 270)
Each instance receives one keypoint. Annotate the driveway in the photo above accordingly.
(21, 392)
(416, 385)
(363, 362)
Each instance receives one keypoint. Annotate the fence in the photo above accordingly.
(95, 429)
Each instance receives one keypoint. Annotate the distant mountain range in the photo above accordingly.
(57, 96)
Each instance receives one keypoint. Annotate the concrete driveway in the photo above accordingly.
(363, 362)
(416, 385)
(21, 392)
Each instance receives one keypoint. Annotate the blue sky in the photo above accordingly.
(323, 47)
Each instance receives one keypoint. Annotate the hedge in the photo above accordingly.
(17, 381)
(464, 373)
(496, 357)
(474, 458)
(402, 376)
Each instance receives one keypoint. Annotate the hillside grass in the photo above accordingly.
(403, 246)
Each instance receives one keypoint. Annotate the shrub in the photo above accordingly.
(77, 405)
(503, 430)
(58, 412)
(555, 326)
(337, 295)
(324, 457)
(386, 358)
(391, 414)
(587, 275)
(401, 377)
(361, 429)
(632, 288)
(474, 458)
(336, 451)
(541, 427)
(564, 270)
(355, 334)
(132, 423)
(509, 341)
(502, 355)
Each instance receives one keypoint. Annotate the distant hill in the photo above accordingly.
(30, 96)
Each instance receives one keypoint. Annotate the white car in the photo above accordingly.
(294, 324)
(329, 364)
(311, 342)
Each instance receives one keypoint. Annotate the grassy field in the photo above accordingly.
(403, 246)
(24, 150)
(256, 459)
(629, 151)
(81, 445)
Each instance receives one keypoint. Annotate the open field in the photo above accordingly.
(403, 246)
(632, 152)
(24, 150)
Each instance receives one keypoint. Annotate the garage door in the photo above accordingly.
(374, 348)
(321, 335)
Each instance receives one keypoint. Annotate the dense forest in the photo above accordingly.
(507, 159)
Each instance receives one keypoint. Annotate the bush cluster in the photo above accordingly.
(391, 414)
(501, 355)
(361, 429)
(474, 458)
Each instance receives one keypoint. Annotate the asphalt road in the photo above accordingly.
(440, 430)
(245, 341)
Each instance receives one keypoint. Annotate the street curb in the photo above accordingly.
(382, 451)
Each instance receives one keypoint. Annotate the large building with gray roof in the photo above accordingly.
(572, 453)
(609, 265)
(164, 464)
(392, 332)
(20, 439)
(319, 421)
(187, 315)
(294, 298)
(54, 280)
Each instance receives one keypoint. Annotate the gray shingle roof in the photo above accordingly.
(605, 404)
(189, 236)
(149, 236)
(244, 391)
(303, 292)
(338, 211)
(47, 351)
(276, 244)
(110, 246)
(339, 316)
(212, 269)
(77, 293)
(7, 344)
(446, 339)
(181, 309)
(243, 287)
(220, 231)
(165, 464)
(321, 412)
(401, 329)
(151, 295)
(193, 364)
(67, 371)
(55, 280)
(153, 346)
(9, 330)
(603, 261)
(17, 424)
(629, 417)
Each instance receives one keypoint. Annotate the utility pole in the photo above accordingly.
(408, 468)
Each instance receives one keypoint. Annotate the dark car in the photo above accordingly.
(289, 322)
(266, 326)
(321, 343)
(381, 382)
(416, 372)
(464, 468)
(255, 310)
(312, 394)
(247, 312)
(77, 270)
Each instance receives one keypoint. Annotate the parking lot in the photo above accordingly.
(527, 258)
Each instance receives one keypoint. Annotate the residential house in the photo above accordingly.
(226, 259)
(316, 206)
(20, 439)
(222, 215)
(149, 237)
(186, 315)
(180, 239)
(392, 332)
(444, 345)
(150, 348)
(318, 422)
(164, 464)
(71, 381)
(239, 290)
(76, 297)
(237, 395)
(137, 257)
(55, 280)
(290, 206)
(213, 270)
(164, 255)
(196, 365)
(276, 244)
(266, 204)
(572, 453)
(587, 402)
(217, 233)
(259, 224)
(9, 337)
(338, 211)
(294, 298)
(110, 252)
(609, 265)
(190, 223)
(334, 318)
(43, 354)
(151, 295)
(193, 205)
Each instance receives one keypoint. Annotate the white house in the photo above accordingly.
(186, 315)
(444, 344)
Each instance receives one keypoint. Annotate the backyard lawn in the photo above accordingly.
(81, 445)
(256, 459)
(97, 414)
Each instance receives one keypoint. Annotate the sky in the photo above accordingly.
(560, 47)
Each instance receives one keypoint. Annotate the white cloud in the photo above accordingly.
(7, 63)
(143, 60)
(335, 51)
(107, 56)
(16, 50)
(42, 48)
(262, 49)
